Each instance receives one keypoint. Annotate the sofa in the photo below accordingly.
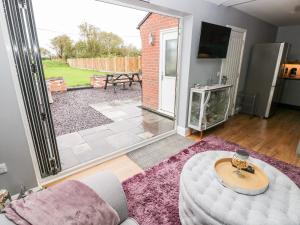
(106, 185)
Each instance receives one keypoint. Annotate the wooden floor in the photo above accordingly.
(277, 136)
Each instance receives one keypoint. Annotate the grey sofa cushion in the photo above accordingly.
(129, 221)
(109, 188)
(4, 221)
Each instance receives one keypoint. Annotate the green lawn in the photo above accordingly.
(73, 77)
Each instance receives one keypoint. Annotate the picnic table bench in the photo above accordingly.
(122, 78)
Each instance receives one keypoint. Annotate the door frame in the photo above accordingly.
(244, 31)
(92, 163)
(135, 4)
(22, 32)
(17, 89)
(161, 33)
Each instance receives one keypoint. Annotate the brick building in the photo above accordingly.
(150, 30)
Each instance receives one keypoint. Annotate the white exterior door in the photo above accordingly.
(231, 66)
(168, 70)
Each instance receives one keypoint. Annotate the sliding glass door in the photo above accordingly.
(28, 63)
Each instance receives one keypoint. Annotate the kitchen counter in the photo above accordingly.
(292, 78)
(291, 92)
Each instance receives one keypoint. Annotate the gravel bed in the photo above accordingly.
(71, 111)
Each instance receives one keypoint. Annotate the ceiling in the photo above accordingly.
(277, 12)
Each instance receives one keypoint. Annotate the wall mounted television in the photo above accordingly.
(214, 41)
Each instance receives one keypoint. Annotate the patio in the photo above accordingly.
(92, 123)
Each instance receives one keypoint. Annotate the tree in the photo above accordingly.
(110, 42)
(63, 46)
(89, 36)
(96, 43)
(45, 53)
(80, 49)
(129, 50)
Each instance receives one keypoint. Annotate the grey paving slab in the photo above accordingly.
(69, 140)
(165, 126)
(131, 108)
(158, 127)
(81, 149)
(146, 135)
(152, 118)
(68, 159)
(115, 114)
(120, 126)
(134, 114)
(141, 133)
(98, 135)
(138, 120)
(119, 110)
(101, 106)
(123, 140)
(101, 147)
(92, 130)
(85, 152)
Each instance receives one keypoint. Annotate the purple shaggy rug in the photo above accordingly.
(153, 196)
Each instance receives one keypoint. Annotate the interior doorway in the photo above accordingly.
(231, 66)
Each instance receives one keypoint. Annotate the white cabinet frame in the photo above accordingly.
(205, 94)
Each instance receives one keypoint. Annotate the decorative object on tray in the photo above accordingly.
(237, 174)
(4, 197)
(239, 160)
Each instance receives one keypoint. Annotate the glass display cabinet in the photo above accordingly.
(208, 106)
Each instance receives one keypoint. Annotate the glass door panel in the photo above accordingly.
(171, 58)
(216, 107)
(195, 109)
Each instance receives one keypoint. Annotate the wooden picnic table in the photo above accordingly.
(122, 78)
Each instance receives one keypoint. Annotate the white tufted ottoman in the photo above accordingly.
(204, 201)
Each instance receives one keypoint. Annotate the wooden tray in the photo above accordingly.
(247, 183)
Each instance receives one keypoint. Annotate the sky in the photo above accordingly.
(57, 17)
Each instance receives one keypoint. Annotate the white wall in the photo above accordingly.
(14, 147)
(290, 34)
(200, 70)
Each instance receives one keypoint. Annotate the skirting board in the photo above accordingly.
(183, 131)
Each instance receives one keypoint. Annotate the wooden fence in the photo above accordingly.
(113, 64)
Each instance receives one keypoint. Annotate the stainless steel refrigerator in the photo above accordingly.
(265, 76)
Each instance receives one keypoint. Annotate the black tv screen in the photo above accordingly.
(214, 41)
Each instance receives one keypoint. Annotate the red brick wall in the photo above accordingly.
(57, 85)
(150, 56)
(97, 81)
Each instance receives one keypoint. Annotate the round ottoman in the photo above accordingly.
(204, 201)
